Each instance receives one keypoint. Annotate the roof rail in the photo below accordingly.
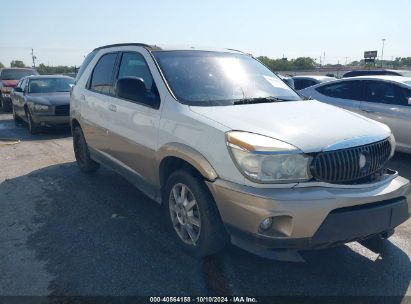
(236, 51)
(151, 47)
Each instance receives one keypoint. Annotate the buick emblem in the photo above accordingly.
(363, 161)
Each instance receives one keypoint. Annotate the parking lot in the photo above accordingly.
(66, 233)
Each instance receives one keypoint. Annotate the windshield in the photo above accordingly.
(204, 78)
(50, 85)
(16, 74)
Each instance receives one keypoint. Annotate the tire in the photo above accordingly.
(82, 153)
(17, 119)
(208, 235)
(33, 127)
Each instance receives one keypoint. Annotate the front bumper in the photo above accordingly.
(311, 217)
(50, 119)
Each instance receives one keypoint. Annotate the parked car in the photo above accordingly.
(232, 153)
(9, 77)
(377, 72)
(287, 80)
(383, 98)
(42, 101)
(305, 81)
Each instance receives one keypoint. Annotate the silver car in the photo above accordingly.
(383, 98)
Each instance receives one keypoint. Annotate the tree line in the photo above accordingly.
(282, 64)
(45, 69)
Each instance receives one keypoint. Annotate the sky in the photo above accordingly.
(62, 33)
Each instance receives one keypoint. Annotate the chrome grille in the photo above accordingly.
(63, 110)
(350, 165)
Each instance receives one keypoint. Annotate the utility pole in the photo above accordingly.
(346, 60)
(382, 51)
(33, 58)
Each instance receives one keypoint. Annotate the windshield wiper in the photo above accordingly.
(267, 99)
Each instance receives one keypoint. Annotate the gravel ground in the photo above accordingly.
(66, 233)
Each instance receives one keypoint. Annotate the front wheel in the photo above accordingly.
(34, 128)
(192, 215)
(16, 118)
(82, 153)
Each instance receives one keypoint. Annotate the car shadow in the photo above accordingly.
(98, 235)
(8, 129)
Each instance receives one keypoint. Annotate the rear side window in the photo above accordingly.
(102, 77)
(343, 90)
(403, 95)
(388, 93)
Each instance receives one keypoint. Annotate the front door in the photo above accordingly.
(134, 121)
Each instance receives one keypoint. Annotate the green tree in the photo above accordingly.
(17, 64)
(304, 63)
(60, 69)
(283, 64)
(1, 65)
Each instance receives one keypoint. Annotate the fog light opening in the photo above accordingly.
(266, 224)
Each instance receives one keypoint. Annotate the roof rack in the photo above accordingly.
(151, 47)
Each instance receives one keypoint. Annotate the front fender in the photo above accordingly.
(188, 154)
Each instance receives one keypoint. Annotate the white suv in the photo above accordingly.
(233, 153)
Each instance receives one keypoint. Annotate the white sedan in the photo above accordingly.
(383, 98)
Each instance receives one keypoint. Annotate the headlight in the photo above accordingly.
(393, 144)
(266, 160)
(42, 108)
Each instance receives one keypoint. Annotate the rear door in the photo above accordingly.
(387, 102)
(95, 101)
(346, 94)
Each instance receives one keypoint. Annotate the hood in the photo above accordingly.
(9, 83)
(50, 99)
(311, 126)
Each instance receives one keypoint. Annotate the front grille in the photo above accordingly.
(350, 165)
(63, 110)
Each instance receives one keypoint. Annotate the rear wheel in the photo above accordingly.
(34, 128)
(192, 215)
(82, 153)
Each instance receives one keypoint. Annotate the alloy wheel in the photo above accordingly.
(185, 214)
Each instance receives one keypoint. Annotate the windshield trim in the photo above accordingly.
(210, 103)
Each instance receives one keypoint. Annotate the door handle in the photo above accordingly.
(368, 111)
(112, 108)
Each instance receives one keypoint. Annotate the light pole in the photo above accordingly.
(382, 50)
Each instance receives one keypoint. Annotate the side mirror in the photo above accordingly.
(132, 88)
(18, 89)
(409, 101)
